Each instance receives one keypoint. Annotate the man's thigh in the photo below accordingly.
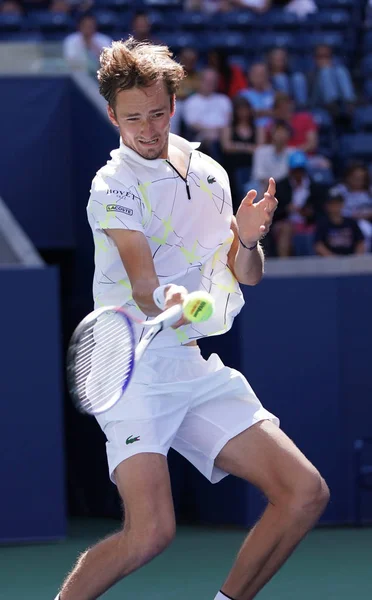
(265, 456)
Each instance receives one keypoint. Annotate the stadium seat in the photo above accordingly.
(322, 176)
(107, 20)
(113, 4)
(192, 21)
(362, 120)
(336, 4)
(368, 88)
(238, 19)
(322, 118)
(229, 40)
(11, 23)
(279, 20)
(366, 66)
(163, 4)
(179, 39)
(356, 145)
(49, 22)
(329, 19)
(367, 41)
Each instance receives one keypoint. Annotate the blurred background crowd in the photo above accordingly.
(277, 88)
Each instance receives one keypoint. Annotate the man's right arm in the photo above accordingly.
(136, 256)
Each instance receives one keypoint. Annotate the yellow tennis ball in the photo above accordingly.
(198, 306)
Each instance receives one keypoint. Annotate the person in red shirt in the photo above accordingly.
(231, 77)
(304, 128)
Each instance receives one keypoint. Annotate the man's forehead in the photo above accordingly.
(143, 97)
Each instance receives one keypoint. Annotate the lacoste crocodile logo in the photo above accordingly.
(132, 439)
(211, 179)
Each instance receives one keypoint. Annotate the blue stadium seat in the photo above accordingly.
(279, 20)
(334, 39)
(21, 36)
(192, 20)
(362, 120)
(107, 20)
(322, 176)
(229, 40)
(163, 4)
(113, 4)
(368, 88)
(271, 39)
(11, 23)
(179, 39)
(367, 41)
(356, 145)
(322, 118)
(50, 22)
(336, 4)
(329, 19)
(238, 19)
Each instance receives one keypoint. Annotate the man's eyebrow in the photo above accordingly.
(155, 110)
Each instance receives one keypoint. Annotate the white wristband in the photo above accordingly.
(159, 296)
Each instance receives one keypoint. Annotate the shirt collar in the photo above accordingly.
(174, 140)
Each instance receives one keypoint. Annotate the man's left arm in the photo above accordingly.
(253, 221)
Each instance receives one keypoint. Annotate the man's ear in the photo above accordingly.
(172, 105)
(111, 116)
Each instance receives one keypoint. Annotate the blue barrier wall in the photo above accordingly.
(306, 349)
(32, 503)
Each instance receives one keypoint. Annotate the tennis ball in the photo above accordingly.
(198, 306)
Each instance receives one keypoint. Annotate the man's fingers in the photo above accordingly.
(250, 197)
(271, 188)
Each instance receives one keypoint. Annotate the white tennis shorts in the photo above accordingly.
(177, 399)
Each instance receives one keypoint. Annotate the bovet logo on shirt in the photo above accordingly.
(121, 194)
(118, 208)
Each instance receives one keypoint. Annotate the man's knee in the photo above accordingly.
(310, 495)
(149, 538)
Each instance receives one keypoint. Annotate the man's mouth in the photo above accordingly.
(149, 142)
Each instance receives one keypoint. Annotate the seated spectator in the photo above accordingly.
(82, 49)
(207, 6)
(11, 7)
(330, 83)
(257, 6)
(231, 77)
(141, 28)
(301, 8)
(206, 112)
(304, 129)
(272, 160)
(356, 192)
(301, 204)
(260, 95)
(60, 7)
(238, 142)
(335, 234)
(293, 84)
(188, 58)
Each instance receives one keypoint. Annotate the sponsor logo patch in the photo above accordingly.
(118, 208)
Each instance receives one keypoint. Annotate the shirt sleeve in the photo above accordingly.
(113, 205)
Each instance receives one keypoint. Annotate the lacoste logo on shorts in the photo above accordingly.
(118, 208)
(211, 179)
(132, 439)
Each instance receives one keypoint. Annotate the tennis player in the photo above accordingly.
(162, 221)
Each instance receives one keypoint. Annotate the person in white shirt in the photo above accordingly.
(161, 213)
(207, 112)
(82, 49)
(271, 160)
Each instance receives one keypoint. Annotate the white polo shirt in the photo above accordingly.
(186, 223)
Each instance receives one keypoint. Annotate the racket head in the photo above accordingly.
(100, 359)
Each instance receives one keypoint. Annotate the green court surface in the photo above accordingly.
(329, 564)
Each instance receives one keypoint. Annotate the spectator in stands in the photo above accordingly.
(207, 6)
(336, 234)
(141, 28)
(60, 7)
(82, 49)
(231, 77)
(260, 94)
(257, 6)
(207, 112)
(356, 192)
(272, 160)
(299, 7)
(238, 142)
(294, 84)
(301, 205)
(304, 129)
(188, 58)
(330, 83)
(11, 7)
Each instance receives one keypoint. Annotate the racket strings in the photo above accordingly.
(103, 362)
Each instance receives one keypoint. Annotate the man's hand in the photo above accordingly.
(176, 294)
(254, 220)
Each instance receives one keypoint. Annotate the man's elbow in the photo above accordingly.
(251, 279)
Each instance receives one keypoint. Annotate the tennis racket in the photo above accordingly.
(102, 355)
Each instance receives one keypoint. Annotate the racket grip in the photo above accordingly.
(170, 316)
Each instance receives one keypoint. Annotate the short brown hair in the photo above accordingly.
(129, 64)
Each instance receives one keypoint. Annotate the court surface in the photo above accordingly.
(330, 564)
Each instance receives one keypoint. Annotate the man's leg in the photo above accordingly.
(149, 527)
(297, 496)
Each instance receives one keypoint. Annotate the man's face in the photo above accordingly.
(143, 117)
(208, 82)
(258, 76)
(280, 136)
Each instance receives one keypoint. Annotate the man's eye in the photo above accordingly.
(158, 115)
